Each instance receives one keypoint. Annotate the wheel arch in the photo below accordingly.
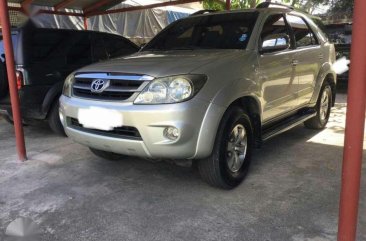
(330, 78)
(252, 107)
(325, 74)
(52, 95)
(214, 116)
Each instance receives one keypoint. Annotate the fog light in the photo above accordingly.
(171, 133)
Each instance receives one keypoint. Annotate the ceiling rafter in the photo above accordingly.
(96, 6)
(63, 4)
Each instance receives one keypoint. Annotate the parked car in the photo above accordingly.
(209, 87)
(44, 58)
(341, 35)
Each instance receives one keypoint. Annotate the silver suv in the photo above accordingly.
(209, 87)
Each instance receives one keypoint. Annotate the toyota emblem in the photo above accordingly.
(99, 85)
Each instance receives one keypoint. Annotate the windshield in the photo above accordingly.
(2, 50)
(214, 31)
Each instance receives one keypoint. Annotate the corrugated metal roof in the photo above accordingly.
(73, 4)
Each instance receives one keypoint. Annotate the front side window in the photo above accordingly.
(303, 35)
(275, 32)
(216, 31)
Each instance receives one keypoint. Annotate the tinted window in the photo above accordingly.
(118, 46)
(99, 51)
(46, 45)
(80, 53)
(216, 31)
(303, 35)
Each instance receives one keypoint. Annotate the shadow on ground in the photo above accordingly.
(291, 192)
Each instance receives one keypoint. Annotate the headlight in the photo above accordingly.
(67, 85)
(171, 89)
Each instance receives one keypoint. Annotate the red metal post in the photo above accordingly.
(85, 23)
(228, 4)
(10, 67)
(355, 125)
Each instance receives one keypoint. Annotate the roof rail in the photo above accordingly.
(205, 11)
(268, 4)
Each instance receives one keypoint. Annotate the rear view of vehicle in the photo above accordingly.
(43, 58)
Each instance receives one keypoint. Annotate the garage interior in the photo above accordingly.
(292, 192)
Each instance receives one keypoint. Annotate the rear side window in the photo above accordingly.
(117, 46)
(302, 34)
(45, 45)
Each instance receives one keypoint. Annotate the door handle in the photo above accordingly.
(321, 56)
(294, 62)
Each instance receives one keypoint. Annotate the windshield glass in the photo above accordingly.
(2, 50)
(214, 31)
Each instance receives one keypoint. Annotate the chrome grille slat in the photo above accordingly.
(114, 76)
(121, 86)
(111, 89)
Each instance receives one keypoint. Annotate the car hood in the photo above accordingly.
(162, 63)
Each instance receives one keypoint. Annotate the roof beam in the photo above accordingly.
(62, 4)
(43, 11)
(96, 6)
(17, 9)
(137, 8)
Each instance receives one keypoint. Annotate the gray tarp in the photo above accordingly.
(139, 26)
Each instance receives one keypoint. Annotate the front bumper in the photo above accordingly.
(196, 120)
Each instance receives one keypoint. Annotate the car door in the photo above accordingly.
(276, 74)
(307, 59)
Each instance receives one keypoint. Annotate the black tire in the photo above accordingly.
(4, 88)
(215, 169)
(319, 121)
(110, 156)
(54, 120)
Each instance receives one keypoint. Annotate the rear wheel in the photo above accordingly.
(107, 155)
(54, 120)
(229, 162)
(3, 80)
(323, 108)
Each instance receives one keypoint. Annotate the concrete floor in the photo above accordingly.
(291, 193)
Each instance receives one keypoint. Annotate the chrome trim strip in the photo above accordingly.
(114, 77)
(109, 89)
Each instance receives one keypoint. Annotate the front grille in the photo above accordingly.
(124, 132)
(121, 87)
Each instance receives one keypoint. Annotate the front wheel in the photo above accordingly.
(323, 108)
(229, 162)
(54, 120)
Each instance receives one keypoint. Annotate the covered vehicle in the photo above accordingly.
(43, 58)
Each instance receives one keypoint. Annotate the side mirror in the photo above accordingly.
(275, 42)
